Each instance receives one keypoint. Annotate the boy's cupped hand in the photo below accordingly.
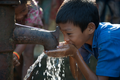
(62, 50)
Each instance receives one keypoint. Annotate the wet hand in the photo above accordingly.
(62, 50)
(15, 60)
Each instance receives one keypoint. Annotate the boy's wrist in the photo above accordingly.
(77, 54)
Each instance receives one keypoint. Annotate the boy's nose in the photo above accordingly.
(66, 39)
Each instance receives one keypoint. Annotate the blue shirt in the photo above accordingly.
(105, 48)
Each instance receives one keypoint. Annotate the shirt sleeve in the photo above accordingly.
(109, 56)
(85, 54)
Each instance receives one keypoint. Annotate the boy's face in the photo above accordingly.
(73, 34)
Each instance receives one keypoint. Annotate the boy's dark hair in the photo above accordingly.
(78, 12)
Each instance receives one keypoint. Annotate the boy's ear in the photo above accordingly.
(91, 27)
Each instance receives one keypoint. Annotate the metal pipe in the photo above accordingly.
(9, 2)
(30, 35)
(6, 44)
(21, 35)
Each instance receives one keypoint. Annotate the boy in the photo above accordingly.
(84, 35)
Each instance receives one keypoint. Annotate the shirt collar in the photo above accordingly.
(95, 37)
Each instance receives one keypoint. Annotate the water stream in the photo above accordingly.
(53, 68)
(31, 68)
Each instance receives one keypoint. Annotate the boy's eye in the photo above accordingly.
(68, 33)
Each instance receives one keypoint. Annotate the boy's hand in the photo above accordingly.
(15, 60)
(62, 50)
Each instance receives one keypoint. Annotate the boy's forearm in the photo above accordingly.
(85, 70)
(74, 69)
(88, 74)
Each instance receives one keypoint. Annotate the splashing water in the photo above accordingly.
(33, 66)
(52, 69)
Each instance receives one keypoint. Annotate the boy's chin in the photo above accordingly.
(75, 46)
(78, 47)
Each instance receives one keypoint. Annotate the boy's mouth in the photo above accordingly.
(72, 44)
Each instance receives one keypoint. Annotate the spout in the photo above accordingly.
(30, 35)
(56, 33)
